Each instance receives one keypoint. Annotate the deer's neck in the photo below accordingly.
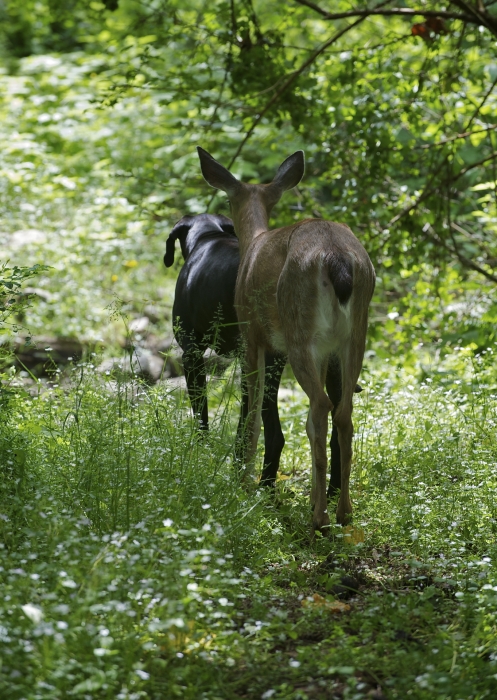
(250, 222)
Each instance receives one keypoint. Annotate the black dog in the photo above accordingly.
(204, 316)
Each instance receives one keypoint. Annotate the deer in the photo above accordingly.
(302, 291)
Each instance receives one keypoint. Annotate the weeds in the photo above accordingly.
(134, 565)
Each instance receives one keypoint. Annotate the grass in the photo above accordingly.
(134, 565)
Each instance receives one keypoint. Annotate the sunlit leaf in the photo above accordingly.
(353, 534)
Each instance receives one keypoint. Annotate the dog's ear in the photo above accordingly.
(181, 228)
(227, 226)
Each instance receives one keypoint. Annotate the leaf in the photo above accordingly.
(331, 606)
(90, 684)
(20, 456)
(483, 186)
(343, 670)
(353, 535)
(34, 613)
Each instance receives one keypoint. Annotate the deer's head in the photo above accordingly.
(251, 204)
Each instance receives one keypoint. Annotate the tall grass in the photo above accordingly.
(135, 565)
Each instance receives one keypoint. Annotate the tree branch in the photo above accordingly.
(395, 11)
(473, 238)
(290, 79)
(484, 99)
(456, 137)
(481, 16)
(430, 190)
(462, 172)
(462, 258)
(424, 194)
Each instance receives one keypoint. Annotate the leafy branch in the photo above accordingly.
(470, 14)
(291, 79)
(11, 282)
(457, 137)
(454, 250)
(429, 190)
(482, 102)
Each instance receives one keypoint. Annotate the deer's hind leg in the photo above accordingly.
(351, 363)
(334, 391)
(310, 374)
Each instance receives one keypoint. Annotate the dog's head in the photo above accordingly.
(190, 229)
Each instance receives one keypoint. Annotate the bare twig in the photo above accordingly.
(472, 238)
(485, 97)
(228, 61)
(462, 258)
(426, 193)
(462, 172)
(430, 190)
(494, 167)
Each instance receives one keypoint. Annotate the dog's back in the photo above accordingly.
(203, 310)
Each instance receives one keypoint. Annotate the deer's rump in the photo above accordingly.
(315, 269)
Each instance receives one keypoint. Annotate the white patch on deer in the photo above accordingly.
(278, 342)
(332, 321)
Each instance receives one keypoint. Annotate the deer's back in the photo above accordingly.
(296, 267)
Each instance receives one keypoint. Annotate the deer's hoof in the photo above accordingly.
(321, 523)
(344, 516)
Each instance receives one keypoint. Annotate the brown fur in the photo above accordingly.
(286, 301)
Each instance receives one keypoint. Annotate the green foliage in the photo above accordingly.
(397, 130)
(11, 281)
(13, 303)
(98, 156)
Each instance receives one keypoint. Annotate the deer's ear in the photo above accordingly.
(290, 172)
(181, 228)
(216, 175)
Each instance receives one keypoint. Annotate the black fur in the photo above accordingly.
(200, 226)
(341, 275)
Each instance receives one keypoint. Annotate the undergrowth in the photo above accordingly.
(134, 564)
